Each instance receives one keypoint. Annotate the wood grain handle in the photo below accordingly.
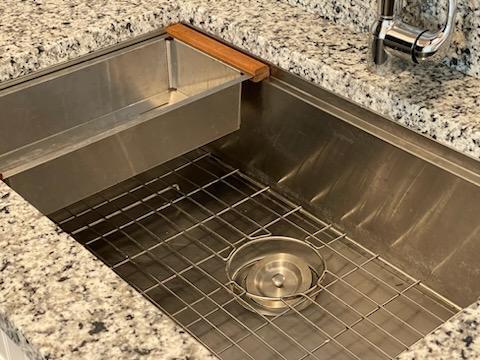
(248, 65)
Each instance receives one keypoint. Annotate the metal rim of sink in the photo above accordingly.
(272, 274)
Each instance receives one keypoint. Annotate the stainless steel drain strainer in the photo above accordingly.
(271, 274)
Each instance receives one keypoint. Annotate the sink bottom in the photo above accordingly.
(169, 231)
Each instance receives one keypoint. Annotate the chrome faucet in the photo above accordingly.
(393, 37)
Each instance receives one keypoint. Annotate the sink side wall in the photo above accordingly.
(421, 218)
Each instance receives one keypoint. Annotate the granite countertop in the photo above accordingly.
(56, 299)
(455, 339)
(59, 302)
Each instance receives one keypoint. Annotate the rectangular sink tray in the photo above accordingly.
(114, 116)
(167, 233)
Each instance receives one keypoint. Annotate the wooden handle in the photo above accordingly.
(258, 70)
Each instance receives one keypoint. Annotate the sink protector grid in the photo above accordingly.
(168, 231)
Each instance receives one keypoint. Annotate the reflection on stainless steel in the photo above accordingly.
(272, 274)
(169, 231)
(392, 37)
(414, 201)
(112, 117)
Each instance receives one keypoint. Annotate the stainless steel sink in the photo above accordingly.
(395, 215)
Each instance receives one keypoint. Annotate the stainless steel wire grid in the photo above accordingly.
(169, 231)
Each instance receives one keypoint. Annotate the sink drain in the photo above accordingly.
(274, 273)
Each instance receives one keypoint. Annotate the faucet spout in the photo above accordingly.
(433, 45)
(392, 37)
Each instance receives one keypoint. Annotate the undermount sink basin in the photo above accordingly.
(394, 215)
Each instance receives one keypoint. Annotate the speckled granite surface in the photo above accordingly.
(359, 15)
(455, 340)
(59, 302)
(35, 34)
(56, 299)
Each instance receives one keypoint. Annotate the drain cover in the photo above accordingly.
(272, 274)
(278, 275)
